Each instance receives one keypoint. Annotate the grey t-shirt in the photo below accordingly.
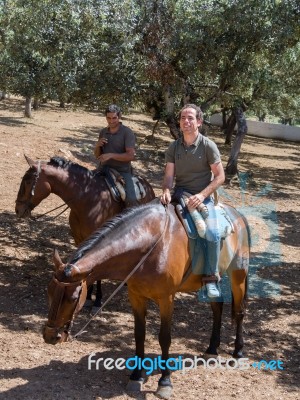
(192, 163)
(117, 143)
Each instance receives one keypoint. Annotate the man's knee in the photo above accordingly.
(212, 235)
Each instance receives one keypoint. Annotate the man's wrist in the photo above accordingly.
(202, 196)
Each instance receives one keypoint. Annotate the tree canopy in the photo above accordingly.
(155, 54)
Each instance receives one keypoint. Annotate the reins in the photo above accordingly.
(82, 330)
(54, 209)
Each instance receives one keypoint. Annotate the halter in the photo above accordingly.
(58, 296)
(37, 175)
(32, 190)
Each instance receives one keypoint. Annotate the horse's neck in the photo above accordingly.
(111, 261)
(121, 250)
(71, 185)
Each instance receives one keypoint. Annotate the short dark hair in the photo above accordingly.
(112, 108)
(199, 113)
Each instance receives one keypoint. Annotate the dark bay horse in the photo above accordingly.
(153, 234)
(85, 192)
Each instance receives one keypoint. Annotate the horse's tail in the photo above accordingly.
(247, 229)
(245, 299)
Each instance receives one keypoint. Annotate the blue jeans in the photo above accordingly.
(213, 240)
(131, 199)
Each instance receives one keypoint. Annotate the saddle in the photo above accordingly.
(116, 185)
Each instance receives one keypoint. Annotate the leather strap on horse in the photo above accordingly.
(53, 209)
(58, 296)
(82, 330)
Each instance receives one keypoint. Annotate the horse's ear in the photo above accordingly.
(29, 160)
(57, 260)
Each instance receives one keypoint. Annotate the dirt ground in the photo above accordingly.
(31, 369)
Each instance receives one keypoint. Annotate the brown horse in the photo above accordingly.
(153, 234)
(85, 192)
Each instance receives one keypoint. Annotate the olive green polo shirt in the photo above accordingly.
(192, 163)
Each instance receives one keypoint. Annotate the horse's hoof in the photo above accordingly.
(237, 354)
(134, 386)
(95, 310)
(88, 303)
(207, 356)
(164, 392)
(98, 302)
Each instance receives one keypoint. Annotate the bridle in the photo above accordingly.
(58, 295)
(31, 206)
(36, 175)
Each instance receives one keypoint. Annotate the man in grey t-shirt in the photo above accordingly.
(116, 149)
(194, 162)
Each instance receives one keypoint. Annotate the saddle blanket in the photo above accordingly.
(195, 224)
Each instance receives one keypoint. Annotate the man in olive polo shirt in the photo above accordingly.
(115, 148)
(194, 162)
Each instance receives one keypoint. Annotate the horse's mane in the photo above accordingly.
(67, 164)
(119, 220)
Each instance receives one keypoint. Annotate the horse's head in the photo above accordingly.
(32, 191)
(66, 298)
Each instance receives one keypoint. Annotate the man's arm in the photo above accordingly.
(219, 178)
(168, 183)
(125, 157)
(98, 146)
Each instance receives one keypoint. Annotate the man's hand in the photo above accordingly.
(104, 157)
(98, 147)
(165, 198)
(101, 142)
(195, 200)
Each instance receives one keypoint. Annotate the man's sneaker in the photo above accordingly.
(212, 290)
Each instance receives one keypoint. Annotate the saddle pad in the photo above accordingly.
(225, 224)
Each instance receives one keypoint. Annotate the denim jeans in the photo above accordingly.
(131, 199)
(213, 240)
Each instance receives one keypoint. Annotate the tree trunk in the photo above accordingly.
(173, 126)
(3, 95)
(231, 168)
(27, 112)
(35, 103)
(231, 122)
(170, 115)
(262, 117)
(224, 121)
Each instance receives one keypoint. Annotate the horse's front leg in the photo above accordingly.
(217, 309)
(166, 307)
(139, 307)
(98, 300)
(89, 301)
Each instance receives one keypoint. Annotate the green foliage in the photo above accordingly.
(215, 52)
